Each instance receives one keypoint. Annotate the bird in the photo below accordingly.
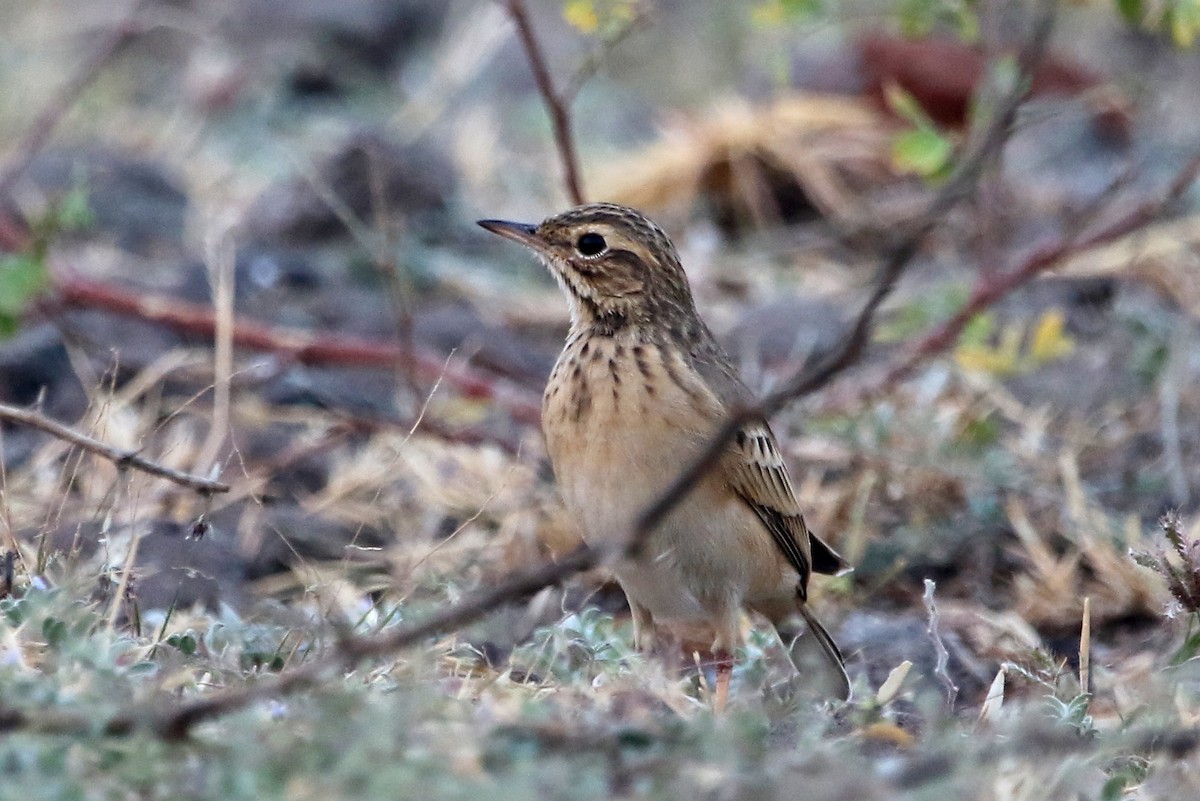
(639, 389)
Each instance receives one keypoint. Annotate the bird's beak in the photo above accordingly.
(518, 232)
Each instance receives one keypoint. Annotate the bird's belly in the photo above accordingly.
(615, 460)
(690, 567)
(619, 433)
(617, 443)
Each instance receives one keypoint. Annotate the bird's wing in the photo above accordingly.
(758, 475)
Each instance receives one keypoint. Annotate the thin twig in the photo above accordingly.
(118, 456)
(48, 119)
(220, 263)
(557, 105)
(387, 264)
(136, 532)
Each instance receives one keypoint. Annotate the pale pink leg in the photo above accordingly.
(724, 663)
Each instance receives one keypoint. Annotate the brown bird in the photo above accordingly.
(638, 390)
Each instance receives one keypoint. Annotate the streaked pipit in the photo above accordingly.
(640, 387)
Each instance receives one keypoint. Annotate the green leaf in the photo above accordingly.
(1188, 650)
(923, 151)
(22, 278)
(904, 105)
(799, 10)
(979, 330)
(918, 17)
(185, 642)
(73, 211)
(1132, 10)
(54, 631)
(967, 23)
(980, 433)
(1183, 21)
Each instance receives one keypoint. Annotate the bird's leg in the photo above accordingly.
(724, 664)
(644, 634)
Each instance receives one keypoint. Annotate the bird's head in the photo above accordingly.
(615, 266)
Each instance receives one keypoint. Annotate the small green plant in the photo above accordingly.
(583, 645)
(1178, 19)
(25, 275)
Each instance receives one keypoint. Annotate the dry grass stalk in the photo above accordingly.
(1085, 648)
(1092, 564)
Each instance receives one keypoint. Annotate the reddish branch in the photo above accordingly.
(305, 347)
(991, 286)
(556, 103)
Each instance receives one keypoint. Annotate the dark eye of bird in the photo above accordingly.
(590, 244)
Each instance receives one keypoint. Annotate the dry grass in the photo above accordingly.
(800, 155)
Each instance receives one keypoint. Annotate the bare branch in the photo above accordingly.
(994, 286)
(557, 105)
(118, 456)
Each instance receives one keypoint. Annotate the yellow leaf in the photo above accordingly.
(1049, 340)
(1182, 31)
(985, 359)
(581, 15)
(625, 11)
(768, 15)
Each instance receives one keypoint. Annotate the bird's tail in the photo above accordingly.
(827, 666)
